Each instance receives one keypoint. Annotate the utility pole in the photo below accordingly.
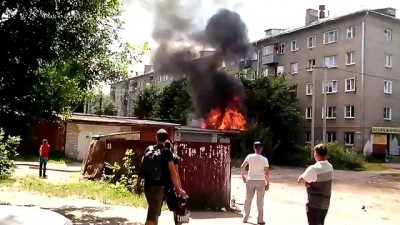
(313, 111)
(324, 106)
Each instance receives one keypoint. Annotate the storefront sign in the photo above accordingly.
(386, 130)
(380, 139)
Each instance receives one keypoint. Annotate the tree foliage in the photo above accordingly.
(103, 105)
(174, 103)
(8, 151)
(145, 104)
(53, 52)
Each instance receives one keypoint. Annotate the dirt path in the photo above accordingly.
(284, 204)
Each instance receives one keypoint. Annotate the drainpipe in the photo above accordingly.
(258, 63)
(362, 80)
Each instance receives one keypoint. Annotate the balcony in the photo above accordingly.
(272, 59)
(245, 64)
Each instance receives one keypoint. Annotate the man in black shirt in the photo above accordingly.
(154, 189)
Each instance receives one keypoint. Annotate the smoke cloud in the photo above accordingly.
(179, 33)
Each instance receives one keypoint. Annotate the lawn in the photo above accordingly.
(97, 190)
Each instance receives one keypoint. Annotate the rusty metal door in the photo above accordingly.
(205, 173)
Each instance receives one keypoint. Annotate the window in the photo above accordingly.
(330, 36)
(308, 113)
(280, 70)
(388, 34)
(387, 87)
(330, 136)
(309, 89)
(311, 64)
(330, 61)
(330, 112)
(349, 112)
(165, 77)
(311, 41)
(294, 68)
(268, 50)
(351, 32)
(388, 61)
(350, 58)
(387, 113)
(293, 46)
(265, 72)
(349, 138)
(159, 78)
(255, 55)
(350, 84)
(280, 49)
(308, 136)
(330, 87)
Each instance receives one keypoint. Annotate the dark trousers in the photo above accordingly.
(42, 166)
(316, 216)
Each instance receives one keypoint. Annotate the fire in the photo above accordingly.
(230, 118)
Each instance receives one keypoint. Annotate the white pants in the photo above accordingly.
(251, 187)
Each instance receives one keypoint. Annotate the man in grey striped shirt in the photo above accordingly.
(318, 180)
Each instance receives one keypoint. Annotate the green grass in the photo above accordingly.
(97, 190)
(369, 166)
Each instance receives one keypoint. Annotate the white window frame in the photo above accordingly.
(387, 113)
(351, 32)
(330, 84)
(309, 89)
(310, 66)
(294, 68)
(255, 55)
(280, 70)
(387, 87)
(349, 138)
(330, 135)
(160, 78)
(268, 50)
(265, 72)
(349, 112)
(308, 113)
(294, 46)
(281, 49)
(350, 58)
(331, 34)
(388, 61)
(332, 59)
(350, 84)
(388, 34)
(332, 110)
(311, 41)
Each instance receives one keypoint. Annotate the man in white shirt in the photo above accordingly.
(318, 180)
(257, 179)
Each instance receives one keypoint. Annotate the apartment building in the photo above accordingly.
(360, 51)
(125, 91)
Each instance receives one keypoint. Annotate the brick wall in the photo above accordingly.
(71, 140)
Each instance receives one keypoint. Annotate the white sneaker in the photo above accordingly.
(245, 219)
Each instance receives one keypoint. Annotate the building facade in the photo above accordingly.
(357, 52)
(125, 91)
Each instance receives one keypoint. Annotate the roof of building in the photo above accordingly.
(325, 21)
(201, 130)
(81, 117)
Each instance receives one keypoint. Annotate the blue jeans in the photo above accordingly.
(42, 166)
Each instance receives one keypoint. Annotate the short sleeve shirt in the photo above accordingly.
(257, 164)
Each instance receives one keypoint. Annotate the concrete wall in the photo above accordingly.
(78, 137)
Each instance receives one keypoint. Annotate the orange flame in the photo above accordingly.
(230, 118)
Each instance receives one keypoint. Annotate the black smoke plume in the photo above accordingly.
(180, 37)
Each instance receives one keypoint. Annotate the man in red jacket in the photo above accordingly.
(44, 157)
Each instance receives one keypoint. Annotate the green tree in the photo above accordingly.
(174, 103)
(145, 104)
(8, 151)
(53, 52)
(273, 104)
(103, 105)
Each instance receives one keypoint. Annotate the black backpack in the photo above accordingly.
(151, 164)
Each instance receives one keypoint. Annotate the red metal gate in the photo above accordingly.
(205, 173)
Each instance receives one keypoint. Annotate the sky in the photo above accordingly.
(258, 15)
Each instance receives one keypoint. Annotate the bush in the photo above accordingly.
(343, 158)
(126, 175)
(8, 150)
